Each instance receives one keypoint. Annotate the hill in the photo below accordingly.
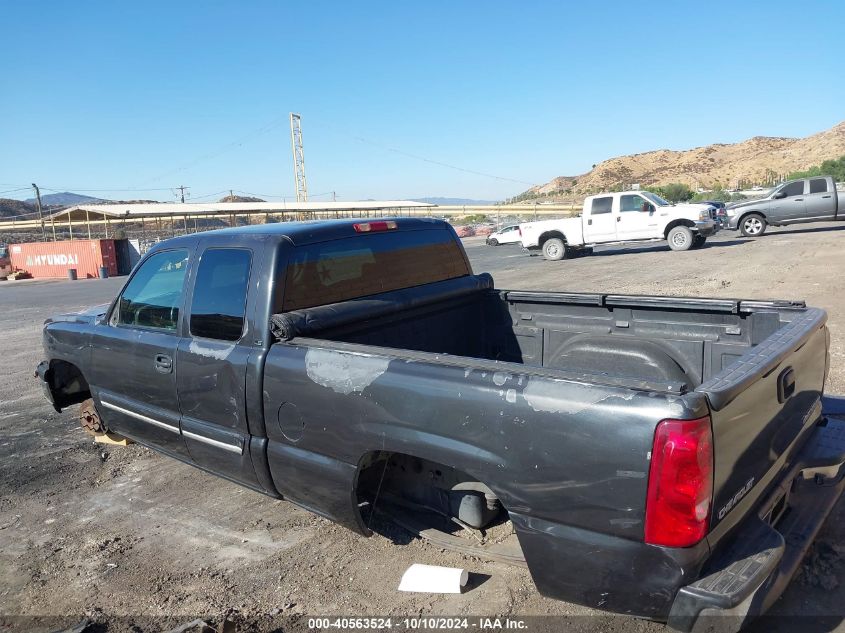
(65, 199)
(10, 208)
(759, 160)
(240, 199)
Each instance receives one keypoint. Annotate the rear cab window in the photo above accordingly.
(362, 265)
(818, 185)
(601, 205)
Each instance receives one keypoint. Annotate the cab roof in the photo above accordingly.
(312, 231)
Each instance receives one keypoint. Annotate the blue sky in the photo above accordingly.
(150, 95)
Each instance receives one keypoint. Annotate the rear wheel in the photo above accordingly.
(752, 225)
(554, 249)
(680, 238)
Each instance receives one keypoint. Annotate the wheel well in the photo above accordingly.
(545, 237)
(674, 223)
(388, 480)
(67, 384)
(747, 213)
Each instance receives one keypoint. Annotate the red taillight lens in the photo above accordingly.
(371, 227)
(680, 483)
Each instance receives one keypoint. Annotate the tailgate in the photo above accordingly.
(762, 407)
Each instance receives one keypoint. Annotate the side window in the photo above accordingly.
(794, 189)
(601, 205)
(153, 297)
(219, 303)
(818, 185)
(633, 203)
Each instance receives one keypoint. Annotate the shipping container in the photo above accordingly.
(54, 259)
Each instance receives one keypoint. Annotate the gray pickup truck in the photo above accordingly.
(661, 457)
(805, 200)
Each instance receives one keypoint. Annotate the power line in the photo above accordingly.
(77, 189)
(14, 190)
(267, 195)
(209, 195)
(221, 150)
(440, 163)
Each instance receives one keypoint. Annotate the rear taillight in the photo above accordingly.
(680, 483)
(372, 227)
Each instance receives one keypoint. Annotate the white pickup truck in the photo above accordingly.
(627, 216)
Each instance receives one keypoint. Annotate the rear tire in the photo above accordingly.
(752, 225)
(680, 238)
(554, 249)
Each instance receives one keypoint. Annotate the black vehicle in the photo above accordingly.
(657, 456)
(719, 213)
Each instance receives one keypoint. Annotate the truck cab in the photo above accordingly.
(627, 216)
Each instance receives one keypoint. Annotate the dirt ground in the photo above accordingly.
(136, 541)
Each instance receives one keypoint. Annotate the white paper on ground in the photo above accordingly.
(433, 579)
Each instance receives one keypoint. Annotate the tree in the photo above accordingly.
(673, 192)
(833, 167)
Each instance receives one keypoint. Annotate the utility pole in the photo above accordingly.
(334, 196)
(231, 196)
(298, 157)
(40, 211)
(181, 193)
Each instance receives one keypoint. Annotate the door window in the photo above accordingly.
(633, 203)
(794, 189)
(818, 185)
(219, 303)
(153, 296)
(601, 205)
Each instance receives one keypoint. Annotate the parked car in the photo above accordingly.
(661, 457)
(507, 235)
(629, 216)
(719, 213)
(803, 200)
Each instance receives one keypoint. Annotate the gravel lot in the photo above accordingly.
(136, 541)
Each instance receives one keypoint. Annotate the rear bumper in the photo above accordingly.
(752, 572)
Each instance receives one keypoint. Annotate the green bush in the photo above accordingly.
(833, 167)
(673, 192)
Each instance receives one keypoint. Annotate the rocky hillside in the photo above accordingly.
(15, 208)
(758, 160)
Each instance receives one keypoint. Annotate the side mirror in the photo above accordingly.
(649, 208)
(779, 195)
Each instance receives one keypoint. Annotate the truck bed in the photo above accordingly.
(667, 343)
(551, 399)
